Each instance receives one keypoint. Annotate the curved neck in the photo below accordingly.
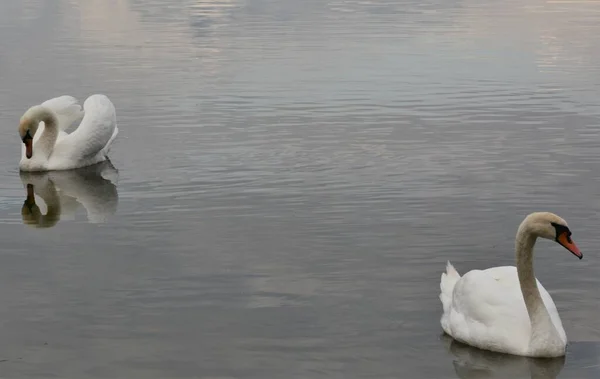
(541, 324)
(45, 144)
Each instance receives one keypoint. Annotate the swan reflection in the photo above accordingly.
(63, 192)
(473, 363)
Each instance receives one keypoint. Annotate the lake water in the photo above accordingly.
(289, 181)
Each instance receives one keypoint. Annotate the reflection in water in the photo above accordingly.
(63, 192)
(330, 156)
(471, 363)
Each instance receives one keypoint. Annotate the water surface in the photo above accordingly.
(290, 179)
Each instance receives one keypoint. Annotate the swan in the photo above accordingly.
(48, 147)
(506, 309)
(64, 192)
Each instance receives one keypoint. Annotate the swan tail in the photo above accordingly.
(447, 283)
(67, 110)
(110, 142)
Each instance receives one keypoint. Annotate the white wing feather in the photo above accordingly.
(93, 135)
(67, 110)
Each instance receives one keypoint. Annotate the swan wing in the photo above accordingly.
(508, 278)
(552, 311)
(67, 110)
(86, 145)
(488, 311)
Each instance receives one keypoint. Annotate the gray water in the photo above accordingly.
(289, 181)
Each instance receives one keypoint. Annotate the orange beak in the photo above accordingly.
(28, 147)
(568, 244)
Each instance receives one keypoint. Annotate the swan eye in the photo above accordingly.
(561, 229)
(27, 136)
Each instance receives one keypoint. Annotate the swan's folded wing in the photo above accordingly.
(552, 311)
(94, 132)
(67, 110)
(487, 296)
(488, 309)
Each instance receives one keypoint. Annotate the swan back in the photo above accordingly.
(94, 133)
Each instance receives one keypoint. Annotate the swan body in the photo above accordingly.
(506, 309)
(46, 144)
(487, 311)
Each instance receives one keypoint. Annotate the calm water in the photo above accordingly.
(289, 181)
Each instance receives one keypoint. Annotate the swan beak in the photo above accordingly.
(28, 147)
(27, 138)
(568, 244)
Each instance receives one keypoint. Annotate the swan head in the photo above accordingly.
(28, 126)
(29, 123)
(550, 226)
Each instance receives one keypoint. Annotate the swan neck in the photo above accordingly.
(50, 132)
(541, 323)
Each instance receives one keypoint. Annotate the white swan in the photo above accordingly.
(506, 309)
(46, 144)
